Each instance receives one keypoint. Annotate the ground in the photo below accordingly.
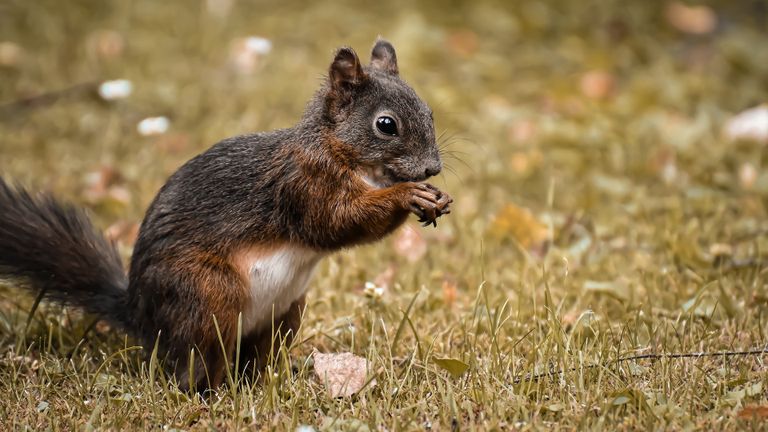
(604, 209)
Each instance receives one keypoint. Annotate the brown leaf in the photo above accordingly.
(663, 162)
(107, 44)
(343, 374)
(522, 131)
(525, 162)
(450, 290)
(696, 20)
(463, 42)
(410, 244)
(104, 184)
(597, 84)
(10, 54)
(754, 411)
(123, 231)
(519, 224)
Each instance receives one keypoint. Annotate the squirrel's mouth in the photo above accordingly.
(380, 177)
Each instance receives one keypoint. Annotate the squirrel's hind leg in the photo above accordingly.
(204, 325)
(260, 347)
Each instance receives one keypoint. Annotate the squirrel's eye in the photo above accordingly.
(386, 125)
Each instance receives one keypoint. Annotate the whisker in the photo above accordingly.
(451, 156)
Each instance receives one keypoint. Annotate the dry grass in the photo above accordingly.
(655, 224)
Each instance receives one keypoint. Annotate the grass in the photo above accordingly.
(600, 212)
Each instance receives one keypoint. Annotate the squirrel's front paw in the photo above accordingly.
(428, 203)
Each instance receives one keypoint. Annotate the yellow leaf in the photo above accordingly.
(518, 223)
(455, 367)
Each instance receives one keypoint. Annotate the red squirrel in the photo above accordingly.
(238, 230)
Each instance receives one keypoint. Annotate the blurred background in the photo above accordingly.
(625, 135)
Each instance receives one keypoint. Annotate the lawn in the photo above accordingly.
(610, 210)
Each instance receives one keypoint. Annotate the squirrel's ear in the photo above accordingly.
(383, 57)
(346, 70)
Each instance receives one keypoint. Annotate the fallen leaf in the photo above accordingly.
(519, 224)
(10, 54)
(343, 374)
(555, 407)
(463, 42)
(524, 163)
(107, 44)
(620, 400)
(119, 194)
(410, 244)
(103, 177)
(450, 291)
(522, 131)
(597, 84)
(99, 182)
(747, 175)
(455, 367)
(697, 20)
(751, 124)
(754, 411)
(42, 406)
(245, 54)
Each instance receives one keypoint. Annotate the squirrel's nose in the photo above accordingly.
(433, 170)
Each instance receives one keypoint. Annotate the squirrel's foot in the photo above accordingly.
(429, 203)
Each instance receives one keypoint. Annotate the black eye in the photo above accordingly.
(386, 125)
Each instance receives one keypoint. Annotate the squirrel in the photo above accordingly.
(232, 239)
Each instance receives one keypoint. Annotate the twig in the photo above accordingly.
(8, 109)
(655, 356)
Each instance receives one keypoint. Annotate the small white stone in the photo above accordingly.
(751, 124)
(115, 89)
(258, 45)
(153, 126)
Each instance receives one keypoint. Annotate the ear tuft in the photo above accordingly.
(383, 57)
(346, 70)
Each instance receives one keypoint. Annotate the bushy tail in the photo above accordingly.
(55, 248)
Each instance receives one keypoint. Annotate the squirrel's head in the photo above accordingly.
(374, 113)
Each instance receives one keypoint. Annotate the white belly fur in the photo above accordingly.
(276, 280)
